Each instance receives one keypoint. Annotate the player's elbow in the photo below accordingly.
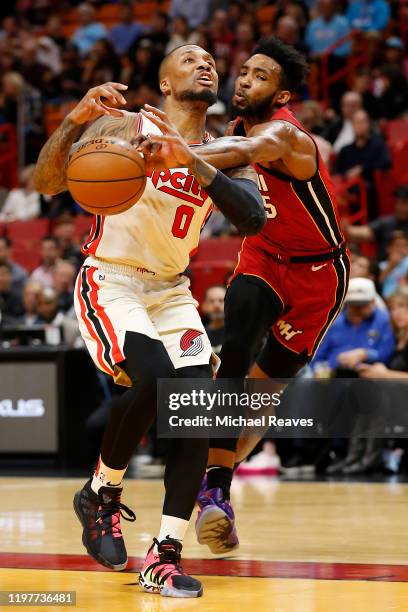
(40, 184)
(47, 187)
(253, 224)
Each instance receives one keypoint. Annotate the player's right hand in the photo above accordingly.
(93, 104)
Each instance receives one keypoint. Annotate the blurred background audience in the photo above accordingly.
(355, 104)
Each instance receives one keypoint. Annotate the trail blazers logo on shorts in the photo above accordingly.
(191, 343)
(286, 330)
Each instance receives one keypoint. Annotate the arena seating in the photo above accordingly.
(26, 238)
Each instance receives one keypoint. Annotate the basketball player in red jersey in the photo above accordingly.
(291, 277)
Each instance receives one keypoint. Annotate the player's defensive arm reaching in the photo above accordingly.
(265, 142)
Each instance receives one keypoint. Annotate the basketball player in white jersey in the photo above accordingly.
(136, 313)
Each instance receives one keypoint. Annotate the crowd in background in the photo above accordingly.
(41, 66)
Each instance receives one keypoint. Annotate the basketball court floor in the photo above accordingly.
(305, 547)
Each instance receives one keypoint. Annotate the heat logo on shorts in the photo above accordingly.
(191, 343)
(286, 330)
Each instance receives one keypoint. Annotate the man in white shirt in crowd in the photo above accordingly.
(22, 203)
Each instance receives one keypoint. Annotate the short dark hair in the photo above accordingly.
(51, 238)
(397, 235)
(163, 64)
(294, 68)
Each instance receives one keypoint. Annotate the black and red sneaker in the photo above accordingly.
(100, 517)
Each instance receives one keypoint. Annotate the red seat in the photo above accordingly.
(26, 238)
(399, 161)
(82, 226)
(397, 130)
(205, 274)
(385, 185)
(29, 259)
(28, 230)
(216, 249)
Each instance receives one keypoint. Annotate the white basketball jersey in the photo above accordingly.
(160, 232)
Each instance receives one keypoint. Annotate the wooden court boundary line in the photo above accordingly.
(222, 567)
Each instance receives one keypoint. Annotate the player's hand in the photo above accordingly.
(351, 359)
(375, 370)
(166, 150)
(354, 172)
(229, 130)
(93, 104)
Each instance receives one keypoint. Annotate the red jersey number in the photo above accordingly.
(182, 221)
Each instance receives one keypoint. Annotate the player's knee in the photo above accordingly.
(236, 349)
(235, 360)
(146, 361)
(279, 362)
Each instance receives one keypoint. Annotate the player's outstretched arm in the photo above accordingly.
(265, 142)
(50, 171)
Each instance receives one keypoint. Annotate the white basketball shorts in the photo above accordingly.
(112, 299)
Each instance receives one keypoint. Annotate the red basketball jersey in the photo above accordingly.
(302, 215)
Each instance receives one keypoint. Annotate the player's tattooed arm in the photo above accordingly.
(119, 127)
(50, 171)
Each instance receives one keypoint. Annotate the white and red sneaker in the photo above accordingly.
(162, 573)
(265, 463)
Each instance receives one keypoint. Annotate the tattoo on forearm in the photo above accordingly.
(204, 173)
(50, 175)
(119, 127)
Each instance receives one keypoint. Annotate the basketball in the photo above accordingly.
(105, 176)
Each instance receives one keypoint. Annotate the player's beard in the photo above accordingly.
(260, 109)
(188, 95)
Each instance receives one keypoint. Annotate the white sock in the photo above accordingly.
(172, 527)
(105, 476)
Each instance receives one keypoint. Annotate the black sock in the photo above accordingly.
(218, 476)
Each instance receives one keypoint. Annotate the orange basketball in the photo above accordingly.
(106, 176)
